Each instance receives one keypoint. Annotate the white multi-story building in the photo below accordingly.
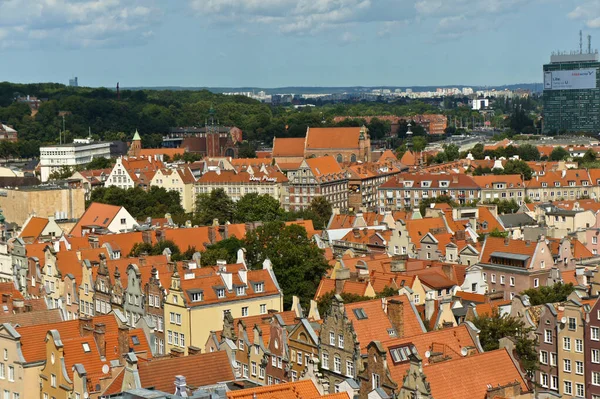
(80, 152)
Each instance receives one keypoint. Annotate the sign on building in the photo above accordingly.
(576, 79)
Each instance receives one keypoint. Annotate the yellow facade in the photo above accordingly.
(172, 181)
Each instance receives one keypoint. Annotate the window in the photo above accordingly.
(536, 282)
(274, 361)
(595, 356)
(595, 378)
(542, 264)
(485, 277)
(220, 292)
(512, 281)
(553, 359)
(11, 373)
(16, 395)
(53, 380)
(254, 369)
(572, 324)
(263, 309)
(376, 381)
(568, 388)
(543, 357)
(294, 375)
(170, 336)
(270, 380)
(594, 334)
(417, 299)
(279, 363)
(245, 311)
(579, 390)
(245, 370)
(337, 364)
(331, 338)
(548, 336)
(241, 344)
(195, 296)
(502, 280)
(261, 372)
(567, 365)
(595, 240)
(325, 360)
(579, 345)
(544, 380)
(494, 278)
(567, 343)
(241, 291)
(299, 358)
(579, 367)
(349, 368)
(259, 287)
(341, 341)
(554, 382)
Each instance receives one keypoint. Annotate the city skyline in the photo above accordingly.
(278, 43)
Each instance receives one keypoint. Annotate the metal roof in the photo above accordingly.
(508, 255)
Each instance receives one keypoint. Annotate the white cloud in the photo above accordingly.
(303, 16)
(76, 23)
(587, 12)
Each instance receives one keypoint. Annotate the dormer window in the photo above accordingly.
(544, 184)
(556, 184)
(425, 183)
(400, 355)
(259, 287)
(444, 183)
(220, 292)
(240, 291)
(197, 296)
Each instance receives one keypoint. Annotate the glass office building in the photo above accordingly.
(572, 93)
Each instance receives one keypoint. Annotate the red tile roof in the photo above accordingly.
(333, 137)
(96, 215)
(288, 147)
(33, 229)
(304, 389)
(498, 244)
(469, 377)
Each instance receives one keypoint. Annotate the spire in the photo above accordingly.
(136, 136)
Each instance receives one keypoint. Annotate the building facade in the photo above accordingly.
(80, 152)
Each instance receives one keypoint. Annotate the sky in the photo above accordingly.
(275, 43)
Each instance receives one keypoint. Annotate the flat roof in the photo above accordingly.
(75, 145)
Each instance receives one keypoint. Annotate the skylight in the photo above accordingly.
(360, 314)
(86, 347)
(135, 340)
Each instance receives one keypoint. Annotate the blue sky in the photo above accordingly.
(272, 43)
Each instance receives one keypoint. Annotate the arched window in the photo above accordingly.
(339, 158)
(353, 158)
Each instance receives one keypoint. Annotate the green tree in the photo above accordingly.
(100, 163)
(216, 205)
(528, 152)
(589, 157)
(254, 207)
(246, 150)
(297, 261)
(451, 151)
(323, 210)
(549, 294)
(400, 151)
(419, 143)
(225, 249)
(518, 167)
(324, 302)
(477, 151)
(498, 234)
(156, 202)
(494, 327)
(559, 154)
(505, 206)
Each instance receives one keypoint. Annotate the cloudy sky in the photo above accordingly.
(271, 43)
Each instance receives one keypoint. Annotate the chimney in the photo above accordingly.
(85, 326)
(100, 338)
(194, 350)
(341, 276)
(448, 271)
(180, 386)
(123, 340)
(142, 261)
(429, 308)
(212, 235)
(398, 264)
(147, 236)
(506, 241)
(356, 232)
(177, 352)
(455, 179)
(527, 243)
(395, 312)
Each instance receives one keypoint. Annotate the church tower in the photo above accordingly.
(136, 145)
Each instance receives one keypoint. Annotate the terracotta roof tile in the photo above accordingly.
(325, 166)
(33, 229)
(97, 215)
(418, 228)
(32, 318)
(333, 137)
(489, 368)
(498, 244)
(304, 389)
(288, 147)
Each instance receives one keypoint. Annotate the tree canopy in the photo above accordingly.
(155, 202)
(214, 205)
(559, 154)
(549, 294)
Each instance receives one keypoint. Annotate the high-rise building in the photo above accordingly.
(572, 93)
(74, 82)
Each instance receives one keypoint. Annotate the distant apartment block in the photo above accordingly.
(80, 152)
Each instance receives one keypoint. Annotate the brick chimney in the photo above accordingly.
(395, 312)
(194, 350)
(85, 326)
(177, 352)
(100, 338)
(123, 340)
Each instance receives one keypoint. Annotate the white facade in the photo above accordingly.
(80, 152)
(119, 176)
(122, 221)
(6, 270)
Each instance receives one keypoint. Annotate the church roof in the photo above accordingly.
(136, 136)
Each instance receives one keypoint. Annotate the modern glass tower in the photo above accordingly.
(572, 93)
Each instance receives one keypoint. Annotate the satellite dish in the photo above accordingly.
(464, 351)
(563, 320)
(105, 369)
(427, 354)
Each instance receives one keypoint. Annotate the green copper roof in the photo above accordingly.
(136, 136)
